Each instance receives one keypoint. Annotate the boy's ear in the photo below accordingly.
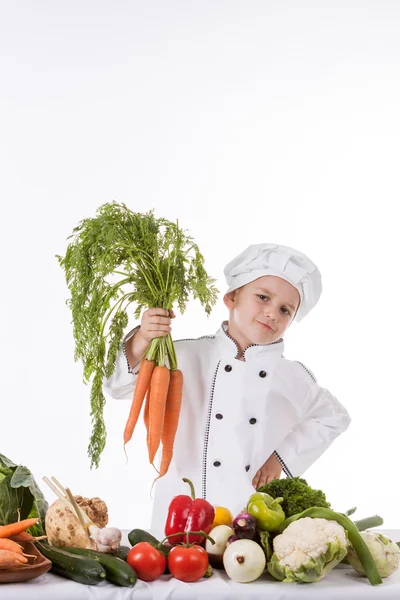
(229, 299)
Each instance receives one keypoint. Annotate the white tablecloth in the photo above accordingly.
(341, 584)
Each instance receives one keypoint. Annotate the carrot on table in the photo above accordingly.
(6, 544)
(171, 419)
(14, 528)
(158, 398)
(143, 382)
(9, 559)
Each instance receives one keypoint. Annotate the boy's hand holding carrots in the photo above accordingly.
(155, 323)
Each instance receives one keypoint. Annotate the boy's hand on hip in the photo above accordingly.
(270, 470)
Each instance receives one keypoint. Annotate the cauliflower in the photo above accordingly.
(307, 550)
(385, 553)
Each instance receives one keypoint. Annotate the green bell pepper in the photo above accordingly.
(266, 510)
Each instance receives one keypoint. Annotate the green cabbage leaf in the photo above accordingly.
(20, 496)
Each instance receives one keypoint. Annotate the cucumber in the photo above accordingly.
(140, 535)
(117, 571)
(121, 553)
(79, 568)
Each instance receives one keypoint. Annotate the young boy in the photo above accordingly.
(247, 412)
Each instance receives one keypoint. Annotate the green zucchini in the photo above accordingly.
(117, 571)
(140, 535)
(79, 568)
(121, 553)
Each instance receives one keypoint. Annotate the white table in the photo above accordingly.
(341, 584)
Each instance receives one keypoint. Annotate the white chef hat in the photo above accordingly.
(287, 263)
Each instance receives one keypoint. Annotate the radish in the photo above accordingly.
(244, 561)
(244, 526)
(231, 539)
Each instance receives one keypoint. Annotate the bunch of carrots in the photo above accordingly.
(115, 259)
(162, 388)
(11, 536)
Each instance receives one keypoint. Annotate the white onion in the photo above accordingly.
(244, 561)
(220, 534)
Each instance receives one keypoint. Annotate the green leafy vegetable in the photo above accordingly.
(296, 493)
(266, 544)
(116, 259)
(20, 496)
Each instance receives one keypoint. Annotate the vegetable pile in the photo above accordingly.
(261, 540)
(303, 547)
(116, 259)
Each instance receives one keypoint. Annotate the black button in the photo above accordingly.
(218, 416)
(247, 468)
(252, 421)
(217, 463)
(228, 368)
(262, 374)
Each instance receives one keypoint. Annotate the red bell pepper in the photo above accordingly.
(188, 513)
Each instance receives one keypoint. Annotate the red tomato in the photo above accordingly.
(147, 561)
(188, 564)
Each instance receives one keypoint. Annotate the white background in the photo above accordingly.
(251, 121)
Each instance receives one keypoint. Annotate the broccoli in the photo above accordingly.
(296, 493)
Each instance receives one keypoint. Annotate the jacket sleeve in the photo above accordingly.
(324, 420)
(122, 382)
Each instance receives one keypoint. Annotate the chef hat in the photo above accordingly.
(287, 263)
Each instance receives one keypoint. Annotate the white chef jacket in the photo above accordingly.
(234, 415)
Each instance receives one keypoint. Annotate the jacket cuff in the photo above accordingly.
(283, 464)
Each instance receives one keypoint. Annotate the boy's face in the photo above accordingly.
(261, 311)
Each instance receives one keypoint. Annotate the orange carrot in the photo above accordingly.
(14, 528)
(9, 559)
(146, 413)
(6, 544)
(171, 419)
(158, 398)
(143, 382)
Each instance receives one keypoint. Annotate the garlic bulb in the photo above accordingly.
(106, 539)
